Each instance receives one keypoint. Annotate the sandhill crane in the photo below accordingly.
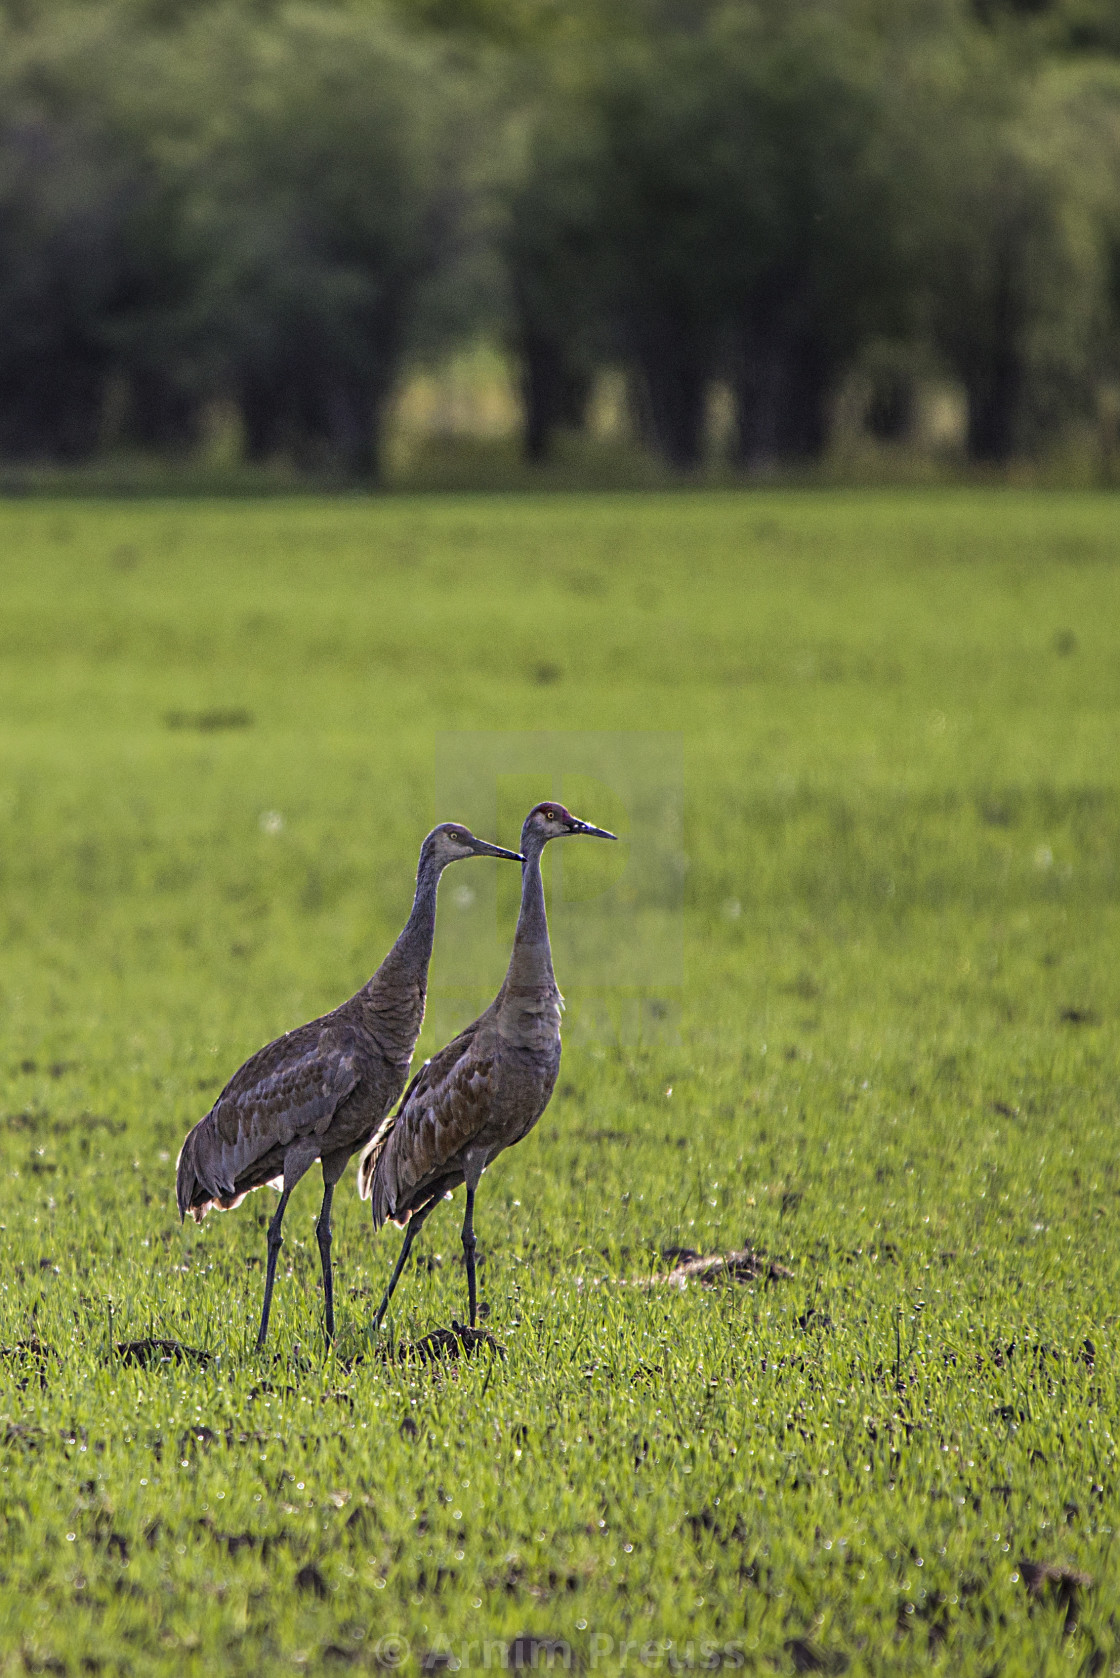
(487, 1088)
(320, 1092)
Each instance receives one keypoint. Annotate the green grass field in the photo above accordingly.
(893, 1066)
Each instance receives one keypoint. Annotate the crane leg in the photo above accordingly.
(333, 1167)
(468, 1255)
(412, 1230)
(299, 1157)
(323, 1233)
(275, 1241)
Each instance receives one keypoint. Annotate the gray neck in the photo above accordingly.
(404, 972)
(530, 962)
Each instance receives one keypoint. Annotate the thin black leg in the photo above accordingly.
(275, 1241)
(412, 1230)
(468, 1255)
(323, 1231)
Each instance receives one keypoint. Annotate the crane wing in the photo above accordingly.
(442, 1111)
(291, 1088)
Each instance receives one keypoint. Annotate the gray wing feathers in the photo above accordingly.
(371, 1153)
(442, 1112)
(289, 1089)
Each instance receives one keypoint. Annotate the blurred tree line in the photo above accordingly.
(274, 206)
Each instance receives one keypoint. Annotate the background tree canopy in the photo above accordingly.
(270, 208)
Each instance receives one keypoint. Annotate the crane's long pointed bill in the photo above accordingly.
(584, 830)
(483, 849)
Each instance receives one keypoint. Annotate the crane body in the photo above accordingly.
(321, 1091)
(487, 1089)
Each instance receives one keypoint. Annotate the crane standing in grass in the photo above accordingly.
(320, 1092)
(487, 1088)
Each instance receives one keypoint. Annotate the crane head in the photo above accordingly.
(452, 842)
(552, 821)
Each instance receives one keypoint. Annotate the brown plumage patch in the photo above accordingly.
(442, 1112)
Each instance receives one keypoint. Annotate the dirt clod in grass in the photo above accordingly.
(32, 1356)
(530, 1654)
(812, 1318)
(474, 1338)
(203, 1436)
(152, 1351)
(806, 1657)
(311, 1581)
(1078, 1016)
(209, 722)
(742, 1265)
(31, 1350)
(17, 1433)
(443, 1343)
(1062, 1584)
(525, 1653)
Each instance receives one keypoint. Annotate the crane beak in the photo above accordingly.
(481, 848)
(584, 830)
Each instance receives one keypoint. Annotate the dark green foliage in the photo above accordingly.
(551, 245)
(1014, 250)
(237, 205)
(328, 208)
(755, 193)
(241, 220)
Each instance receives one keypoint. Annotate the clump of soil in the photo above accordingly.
(1064, 1585)
(151, 1351)
(449, 1343)
(742, 1265)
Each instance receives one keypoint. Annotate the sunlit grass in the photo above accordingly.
(892, 1067)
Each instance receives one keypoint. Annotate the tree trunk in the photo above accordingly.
(781, 384)
(162, 414)
(52, 410)
(353, 416)
(542, 372)
(994, 386)
(554, 392)
(677, 371)
(265, 404)
(991, 368)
